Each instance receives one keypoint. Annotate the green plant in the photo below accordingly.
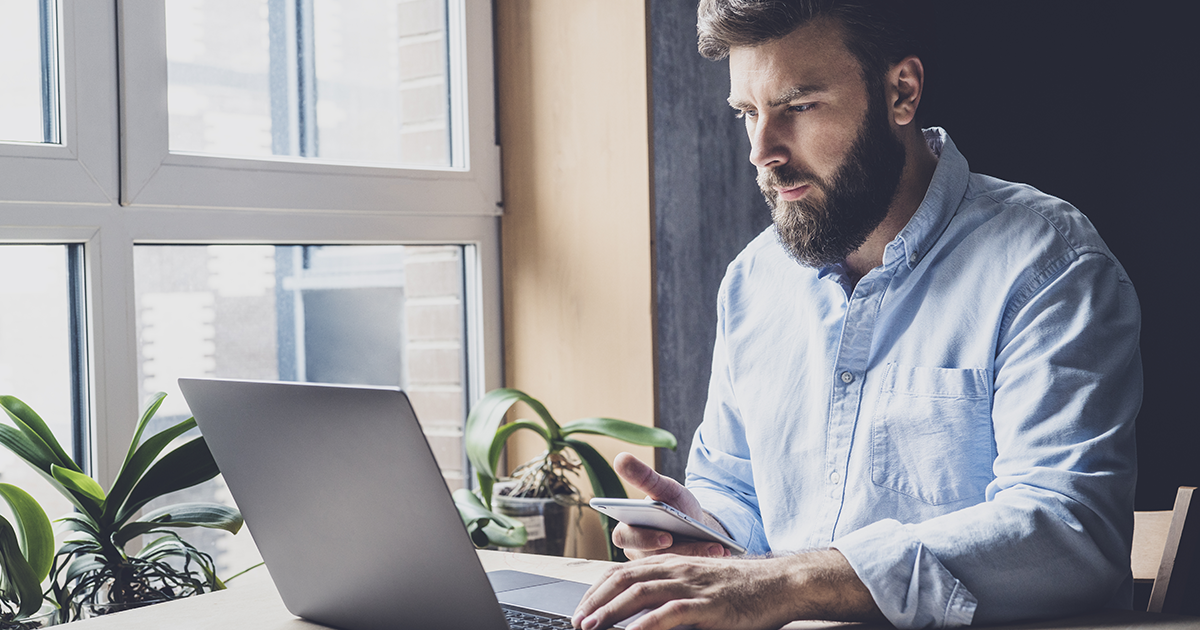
(92, 567)
(548, 474)
(26, 553)
(485, 526)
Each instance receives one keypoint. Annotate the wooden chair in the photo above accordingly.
(1164, 553)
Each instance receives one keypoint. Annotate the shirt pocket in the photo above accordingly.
(932, 433)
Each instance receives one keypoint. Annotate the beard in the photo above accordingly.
(838, 214)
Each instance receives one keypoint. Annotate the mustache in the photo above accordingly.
(784, 177)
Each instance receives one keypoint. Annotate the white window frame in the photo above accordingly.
(82, 170)
(75, 193)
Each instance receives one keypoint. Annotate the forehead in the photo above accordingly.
(813, 55)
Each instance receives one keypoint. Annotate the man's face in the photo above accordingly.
(828, 161)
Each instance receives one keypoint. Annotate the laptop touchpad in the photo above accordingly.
(558, 597)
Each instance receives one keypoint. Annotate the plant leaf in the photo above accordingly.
(28, 421)
(486, 484)
(35, 452)
(483, 447)
(155, 402)
(29, 446)
(487, 479)
(184, 467)
(38, 456)
(486, 526)
(622, 430)
(80, 523)
(18, 576)
(82, 565)
(605, 483)
(139, 460)
(473, 516)
(482, 422)
(73, 546)
(211, 515)
(470, 508)
(78, 482)
(509, 534)
(501, 439)
(33, 528)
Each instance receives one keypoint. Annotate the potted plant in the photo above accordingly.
(545, 479)
(91, 568)
(26, 553)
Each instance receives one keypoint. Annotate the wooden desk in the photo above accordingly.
(252, 603)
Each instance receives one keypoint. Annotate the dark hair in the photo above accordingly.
(879, 33)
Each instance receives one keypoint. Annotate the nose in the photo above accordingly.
(767, 146)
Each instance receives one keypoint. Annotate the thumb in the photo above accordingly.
(656, 486)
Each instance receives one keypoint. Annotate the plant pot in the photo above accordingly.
(47, 616)
(547, 521)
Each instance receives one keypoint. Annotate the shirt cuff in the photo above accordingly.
(742, 523)
(908, 583)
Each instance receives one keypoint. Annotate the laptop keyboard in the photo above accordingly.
(521, 619)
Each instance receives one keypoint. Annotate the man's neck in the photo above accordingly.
(914, 182)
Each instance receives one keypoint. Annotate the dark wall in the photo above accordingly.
(706, 208)
(1084, 100)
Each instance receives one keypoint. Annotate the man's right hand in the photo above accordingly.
(640, 542)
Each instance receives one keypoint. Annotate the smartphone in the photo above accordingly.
(658, 515)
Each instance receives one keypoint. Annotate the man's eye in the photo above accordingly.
(746, 113)
(802, 108)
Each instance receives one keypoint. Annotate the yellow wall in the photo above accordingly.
(574, 125)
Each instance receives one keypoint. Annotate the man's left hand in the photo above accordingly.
(726, 593)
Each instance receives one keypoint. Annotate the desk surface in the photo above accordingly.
(252, 603)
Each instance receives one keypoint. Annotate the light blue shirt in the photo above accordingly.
(960, 424)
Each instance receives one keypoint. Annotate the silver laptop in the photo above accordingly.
(350, 512)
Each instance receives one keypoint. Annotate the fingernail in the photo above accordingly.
(576, 619)
(590, 623)
(664, 541)
(716, 550)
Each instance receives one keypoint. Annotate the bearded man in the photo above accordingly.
(924, 381)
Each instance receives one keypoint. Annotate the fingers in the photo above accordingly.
(623, 591)
(641, 542)
(641, 539)
(672, 614)
(656, 486)
(699, 549)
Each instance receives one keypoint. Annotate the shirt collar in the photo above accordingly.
(945, 193)
(941, 201)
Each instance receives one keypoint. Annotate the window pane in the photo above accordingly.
(381, 70)
(35, 355)
(218, 97)
(371, 315)
(361, 81)
(28, 100)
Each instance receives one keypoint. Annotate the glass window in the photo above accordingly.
(261, 81)
(35, 364)
(371, 315)
(362, 81)
(219, 91)
(28, 74)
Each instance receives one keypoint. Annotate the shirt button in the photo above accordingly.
(847, 378)
(834, 477)
(912, 258)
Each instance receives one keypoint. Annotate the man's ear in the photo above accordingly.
(905, 82)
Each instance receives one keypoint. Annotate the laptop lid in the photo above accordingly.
(346, 504)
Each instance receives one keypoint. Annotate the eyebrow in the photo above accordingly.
(788, 96)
